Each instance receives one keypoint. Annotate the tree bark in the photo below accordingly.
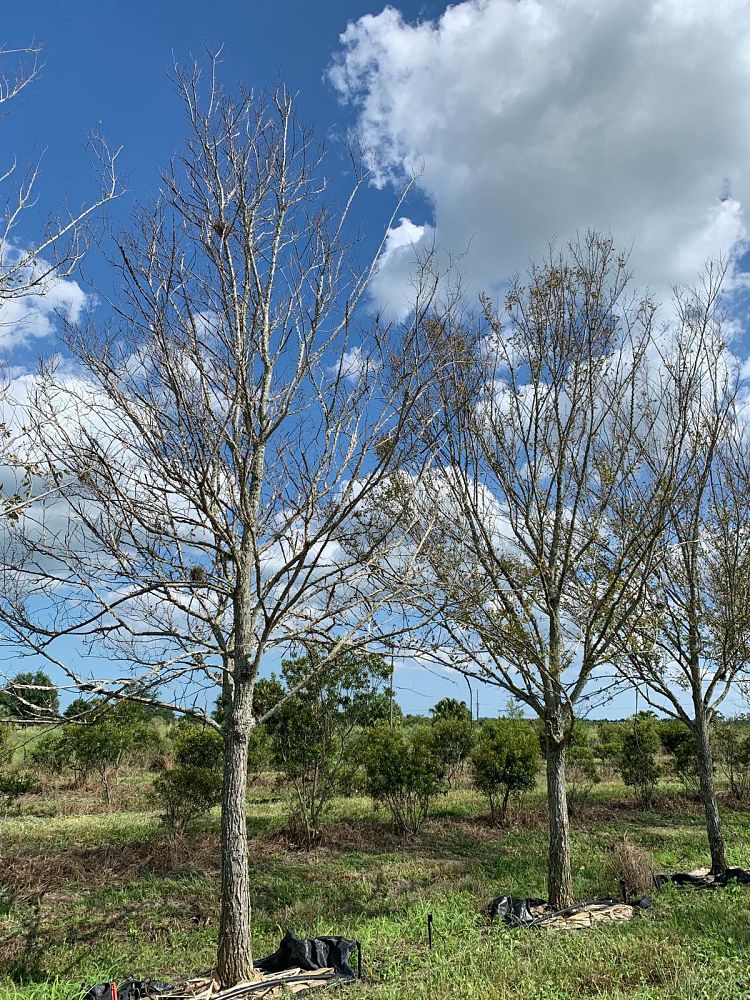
(234, 956)
(708, 795)
(559, 882)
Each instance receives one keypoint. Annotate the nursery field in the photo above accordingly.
(91, 894)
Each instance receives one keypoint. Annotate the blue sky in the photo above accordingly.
(523, 122)
(106, 70)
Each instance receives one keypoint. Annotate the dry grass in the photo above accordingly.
(630, 868)
(32, 877)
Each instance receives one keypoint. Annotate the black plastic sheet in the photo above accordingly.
(740, 876)
(130, 989)
(310, 954)
(516, 911)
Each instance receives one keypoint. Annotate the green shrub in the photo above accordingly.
(314, 733)
(259, 752)
(405, 774)
(506, 761)
(731, 746)
(679, 742)
(114, 737)
(608, 746)
(13, 784)
(638, 766)
(450, 708)
(198, 747)
(453, 740)
(190, 789)
(580, 770)
(50, 755)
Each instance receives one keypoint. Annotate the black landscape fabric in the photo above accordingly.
(308, 954)
(738, 875)
(517, 911)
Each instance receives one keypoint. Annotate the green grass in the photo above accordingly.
(94, 896)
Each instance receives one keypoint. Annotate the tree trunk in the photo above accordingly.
(708, 796)
(504, 810)
(559, 883)
(234, 957)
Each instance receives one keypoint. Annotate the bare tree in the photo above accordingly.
(216, 443)
(546, 510)
(693, 640)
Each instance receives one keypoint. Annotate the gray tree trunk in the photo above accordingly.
(708, 795)
(559, 882)
(234, 956)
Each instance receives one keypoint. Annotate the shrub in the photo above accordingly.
(114, 737)
(12, 787)
(580, 769)
(679, 742)
(608, 747)
(51, 754)
(103, 747)
(638, 766)
(314, 733)
(732, 753)
(190, 789)
(259, 752)
(198, 747)
(450, 708)
(453, 740)
(404, 774)
(12, 783)
(506, 761)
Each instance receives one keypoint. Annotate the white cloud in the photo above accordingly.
(392, 289)
(33, 317)
(354, 364)
(526, 120)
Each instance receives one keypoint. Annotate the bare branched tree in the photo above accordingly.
(693, 640)
(215, 444)
(546, 508)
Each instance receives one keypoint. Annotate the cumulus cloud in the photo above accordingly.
(392, 289)
(26, 318)
(527, 120)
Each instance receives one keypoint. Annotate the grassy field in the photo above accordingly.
(88, 895)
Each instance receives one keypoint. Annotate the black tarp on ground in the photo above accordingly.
(308, 954)
(741, 876)
(516, 911)
(130, 989)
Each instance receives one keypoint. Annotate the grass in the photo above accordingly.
(84, 897)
